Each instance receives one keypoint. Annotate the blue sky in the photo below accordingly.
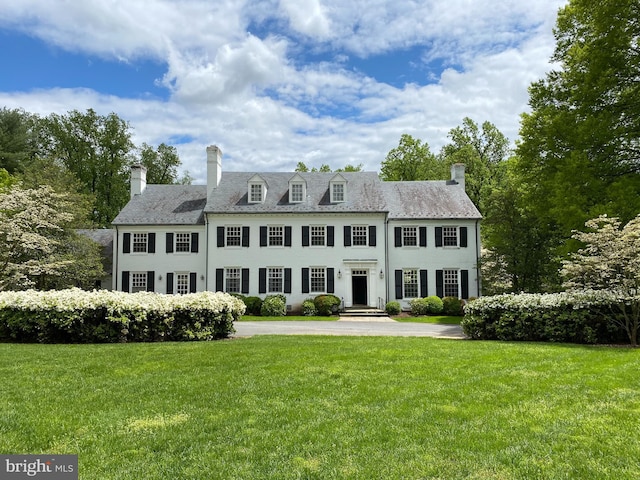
(275, 82)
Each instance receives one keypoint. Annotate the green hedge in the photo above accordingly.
(77, 316)
(585, 317)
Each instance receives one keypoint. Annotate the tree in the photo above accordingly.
(410, 160)
(302, 167)
(162, 164)
(98, 151)
(580, 148)
(17, 139)
(38, 249)
(482, 150)
(609, 261)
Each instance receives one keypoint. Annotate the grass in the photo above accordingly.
(326, 407)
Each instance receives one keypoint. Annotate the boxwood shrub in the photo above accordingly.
(327, 305)
(426, 306)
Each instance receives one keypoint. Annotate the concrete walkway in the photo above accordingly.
(361, 326)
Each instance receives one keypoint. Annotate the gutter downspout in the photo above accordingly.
(478, 249)
(206, 255)
(114, 268)
(386, 257)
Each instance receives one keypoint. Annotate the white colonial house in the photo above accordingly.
(300, 234)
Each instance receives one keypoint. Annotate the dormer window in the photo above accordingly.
(338, 187)
(297, 189)
(257, 189)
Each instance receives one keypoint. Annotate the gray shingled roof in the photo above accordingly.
(165, 205)
(428, 199)
(363, 194)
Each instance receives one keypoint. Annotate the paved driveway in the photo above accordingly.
(349, 327)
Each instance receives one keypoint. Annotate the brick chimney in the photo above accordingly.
(214, 166)
(457, 174)
(138, 180)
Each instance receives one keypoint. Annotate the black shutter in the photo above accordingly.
(220, 231)
(193, 282)
(330, 236)
(125, 281)
(397, 236)
(438, 236)
(347, 235)
(463, 236)
(169, 282)
(423, 283)
(423, 236)
(398, 284)
(151, 248)
(126, 243)
(245, 236)
(440, 283)
(151, 284)
(305, 280)
(372, 235)
(287, 280)
(330, 281)
(219, 279)
(262, 280)
(169, 242)
(287, 236)
(263, 236)
(194, 242)
(245, 280)
(464, 283)
(305, 235)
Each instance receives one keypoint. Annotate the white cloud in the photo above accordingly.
(247, 93)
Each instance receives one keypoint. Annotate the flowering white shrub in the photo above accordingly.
(102, 315)
(568, 316)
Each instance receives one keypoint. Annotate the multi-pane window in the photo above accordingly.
(318, 235)
(234, 236)
(409, 236)
(410, 283)
(183, 242)
(182, 283)
(297, 192)
(317, 279)
(138, 282)
(139, 243)
(255, 192)
(232, 280)
(451, 283)
(450, 236)
(276, 235)
(274, 280)
(337, 192)
(359, 235)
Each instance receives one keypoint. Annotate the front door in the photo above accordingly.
(359, 287)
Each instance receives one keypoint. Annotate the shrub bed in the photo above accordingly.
(327, 305)
(426, 306)
(102, 316)
(584, 317)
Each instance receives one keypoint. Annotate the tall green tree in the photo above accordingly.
(162, 164)
(580, 147)
(98, 150)
(411, 160)
(17, 139)
(482, 149)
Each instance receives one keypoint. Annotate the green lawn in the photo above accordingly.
(439, 319)
(288, 318)
(326, 407)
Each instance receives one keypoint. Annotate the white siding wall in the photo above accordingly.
(432, 258)
(160, 262)
(369, 260)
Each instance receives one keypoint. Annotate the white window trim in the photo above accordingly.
(417, 236)
(366, 236)
(457, 230)
(324, 236)
(324, 279)
(417, 276)
(175, 243)
(262, 192)
(282, 229)
(455, 271)
(146, 243)
(226, 236)
(344, 191)
(176, 282)
(303, 193)
(227, 277)
(141, 288)
(270, 270)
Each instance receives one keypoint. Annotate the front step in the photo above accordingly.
(363, 312)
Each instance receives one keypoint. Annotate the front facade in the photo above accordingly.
(299, 234)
